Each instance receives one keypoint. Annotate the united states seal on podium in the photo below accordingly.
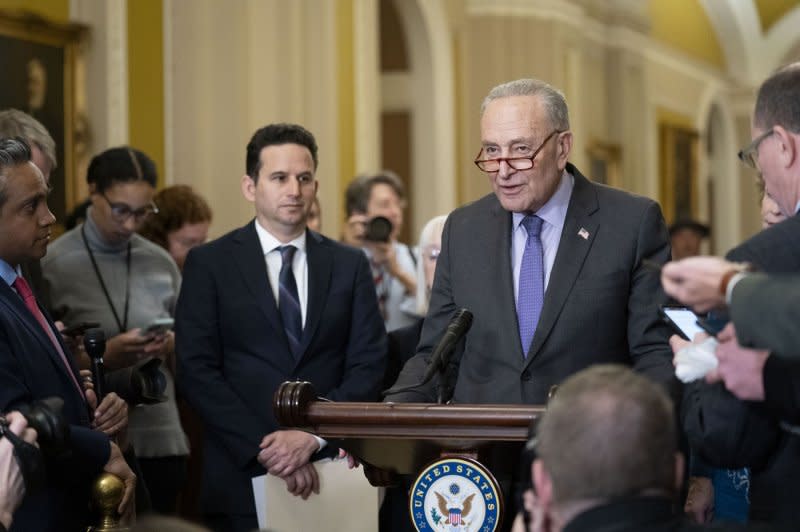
(455, 495)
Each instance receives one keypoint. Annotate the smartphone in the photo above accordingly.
(683, 320)
(713, 322)
(78, 329)
(158, 326)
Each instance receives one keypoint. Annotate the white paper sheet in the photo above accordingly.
(346, 501)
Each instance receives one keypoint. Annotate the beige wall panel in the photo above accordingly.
(496, 50)
(237, 66)
(674, 90)
(749, 205)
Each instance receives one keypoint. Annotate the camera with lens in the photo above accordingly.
(52, 431)
(142, 383)
(378, 229)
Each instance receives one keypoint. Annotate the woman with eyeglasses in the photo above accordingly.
(102, 271)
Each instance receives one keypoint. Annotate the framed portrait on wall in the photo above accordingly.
(604, 163)
(678, 147)
(41, 62)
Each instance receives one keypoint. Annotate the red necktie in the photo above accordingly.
(25, 292)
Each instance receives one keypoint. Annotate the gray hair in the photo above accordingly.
(15, 123)
(553, 99)
(431, 233)
(778, 101)
(13, 152)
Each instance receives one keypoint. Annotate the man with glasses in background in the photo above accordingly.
(550, 265)
(102, 271)
(722, 429)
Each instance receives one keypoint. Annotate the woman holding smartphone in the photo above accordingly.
(103, 271)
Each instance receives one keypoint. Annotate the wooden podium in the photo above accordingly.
(393, 439)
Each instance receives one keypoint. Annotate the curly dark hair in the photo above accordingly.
(178, 205)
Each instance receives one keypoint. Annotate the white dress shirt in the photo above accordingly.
(270, 245)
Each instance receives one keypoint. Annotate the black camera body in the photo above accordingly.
(52, 430)
(142, 383)
(378, 229)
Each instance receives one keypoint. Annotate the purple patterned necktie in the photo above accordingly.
(289, 302)
(530, 295)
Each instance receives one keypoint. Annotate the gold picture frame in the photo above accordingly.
(678, 146)
(604, 163)
(43, 63)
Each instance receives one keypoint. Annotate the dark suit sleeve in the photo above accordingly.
(365, 354)
(440, 310)
(200, 375)
(648, 335)
(782, 387)
(778, 296)
(726, 432)
(90, 449)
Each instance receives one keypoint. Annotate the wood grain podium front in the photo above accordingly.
(403, 438)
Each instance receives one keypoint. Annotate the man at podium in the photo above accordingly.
(550, 265)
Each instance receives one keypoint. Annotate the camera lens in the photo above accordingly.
(52, 430)
(379, 229)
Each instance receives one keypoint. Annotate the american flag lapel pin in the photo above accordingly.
(583, 233)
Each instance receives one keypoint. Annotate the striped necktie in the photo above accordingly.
(289, 302)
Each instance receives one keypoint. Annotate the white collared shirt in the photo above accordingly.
(269, 245)
(554, 212)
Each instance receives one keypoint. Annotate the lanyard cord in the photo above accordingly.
(123, 325)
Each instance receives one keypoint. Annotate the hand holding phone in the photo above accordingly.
(158, 326)
(683, 321)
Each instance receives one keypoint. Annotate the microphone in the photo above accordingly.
(94, 340)
(458, 327)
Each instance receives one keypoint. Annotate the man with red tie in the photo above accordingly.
(34, 363)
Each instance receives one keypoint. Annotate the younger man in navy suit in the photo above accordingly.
(270, 302)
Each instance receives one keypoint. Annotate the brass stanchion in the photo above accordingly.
(107, 493)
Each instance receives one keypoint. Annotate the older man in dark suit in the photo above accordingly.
(711, 415)
(266, 303)
(35, 363)
(550, 264)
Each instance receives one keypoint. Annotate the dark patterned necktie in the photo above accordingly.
(530, 296)
(289, 302)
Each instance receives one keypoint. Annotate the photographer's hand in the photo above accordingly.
(12, 485)
(353, 230)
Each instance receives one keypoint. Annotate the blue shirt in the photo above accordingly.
(8, 273)
(554, 212)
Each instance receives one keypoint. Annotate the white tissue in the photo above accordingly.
(696, 360)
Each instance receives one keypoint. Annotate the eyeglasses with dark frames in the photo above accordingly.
(517, 163)
(122, 212)
(749, 154)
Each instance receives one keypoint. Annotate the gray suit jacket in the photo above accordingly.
(600, 304)
(766, 312)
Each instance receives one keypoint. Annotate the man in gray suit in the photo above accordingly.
(550, 265)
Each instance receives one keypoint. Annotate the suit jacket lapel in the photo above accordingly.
(17, 306)
(320, 264)
(576, 241)
(249, 258)
(500, 243)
